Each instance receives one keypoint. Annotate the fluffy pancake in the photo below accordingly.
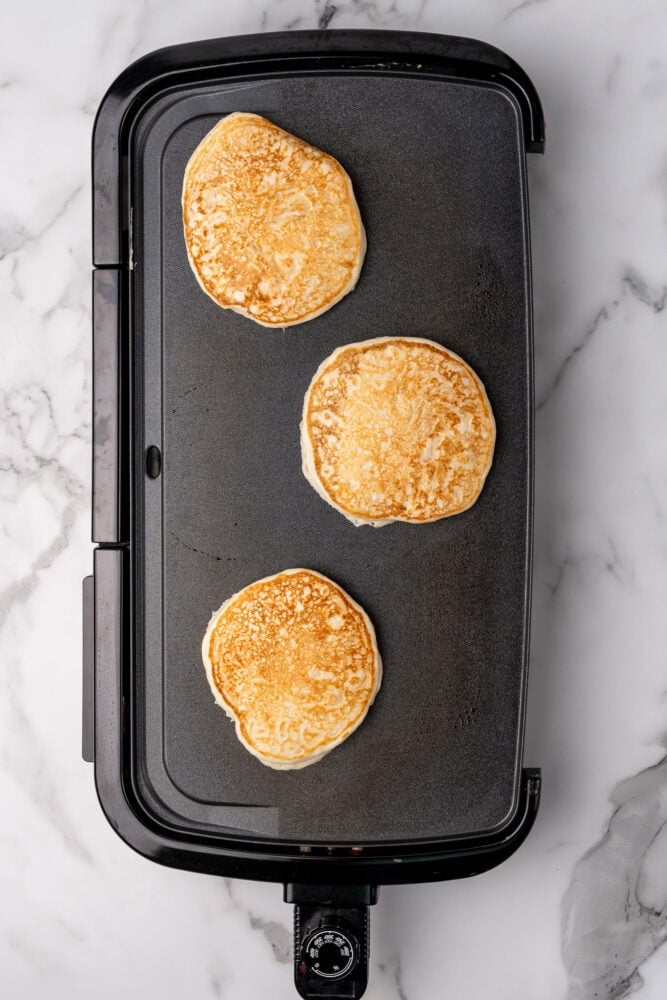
(396, 429)
(293, 660)
(272, 227)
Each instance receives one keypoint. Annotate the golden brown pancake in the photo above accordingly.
(396, 429)
(294, 661)
(271, 224)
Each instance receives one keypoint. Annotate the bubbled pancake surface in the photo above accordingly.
(397, 429)
(293, 660)
(271, 224)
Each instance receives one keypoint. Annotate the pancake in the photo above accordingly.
(396, 429)
(293, 660)
(272, 227)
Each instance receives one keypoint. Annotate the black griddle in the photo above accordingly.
(198, 488)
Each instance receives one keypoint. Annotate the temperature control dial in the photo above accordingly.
(330, 953)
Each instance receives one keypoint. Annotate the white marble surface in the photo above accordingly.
(81, 915)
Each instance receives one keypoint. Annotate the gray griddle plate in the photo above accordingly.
(439, 170)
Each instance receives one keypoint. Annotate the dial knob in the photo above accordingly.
(330, 952)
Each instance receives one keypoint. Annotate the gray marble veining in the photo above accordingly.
(615, 909)
(581, 912)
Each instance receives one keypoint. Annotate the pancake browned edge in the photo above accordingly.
(293, 660)
(271, 224)
(396, 429)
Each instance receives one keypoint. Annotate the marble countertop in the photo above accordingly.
(580, 912)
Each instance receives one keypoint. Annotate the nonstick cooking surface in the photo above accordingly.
(438, 168)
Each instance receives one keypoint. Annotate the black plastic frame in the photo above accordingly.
(257, 55)
(178, 848)
(111, 622)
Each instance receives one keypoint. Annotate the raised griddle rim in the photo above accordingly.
(155, 837)
(250, 858)
(257, 55)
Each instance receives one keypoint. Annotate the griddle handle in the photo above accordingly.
(107, 527)
(331, 935)
(88, 681)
